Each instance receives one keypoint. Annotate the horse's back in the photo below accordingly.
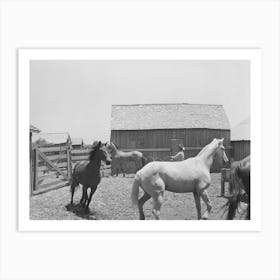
(135, 154)
(80, 166)
(181, 176)
(189, 167)
(128, 155)
(241, 170)
(245, 164)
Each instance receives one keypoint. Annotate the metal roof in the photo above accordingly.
(241, 131)
(168, 116)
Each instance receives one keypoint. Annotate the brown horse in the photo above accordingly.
(121, 157)
(87, 173)
(239, 182)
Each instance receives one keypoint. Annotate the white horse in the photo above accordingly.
(120, 158)
(190, 175)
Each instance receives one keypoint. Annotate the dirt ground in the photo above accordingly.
(111, 201)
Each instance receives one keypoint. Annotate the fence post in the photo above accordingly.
(225, 177)
(222, 182)
(69, 164)
(31, 168)
(35, 170)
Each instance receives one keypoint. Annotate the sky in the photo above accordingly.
(76, 96)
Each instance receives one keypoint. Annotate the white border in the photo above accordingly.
(253, 55)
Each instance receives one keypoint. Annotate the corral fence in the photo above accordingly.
(51, 167)
(163, 154)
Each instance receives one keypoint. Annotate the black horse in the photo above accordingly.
(239, 182)
(87, 173)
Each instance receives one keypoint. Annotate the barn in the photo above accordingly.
(240, 140)
(157, 129)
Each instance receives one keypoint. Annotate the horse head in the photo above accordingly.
(113, 148)
(220, 150)
(100, 152)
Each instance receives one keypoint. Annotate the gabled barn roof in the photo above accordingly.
(241, 131)
(168, 116)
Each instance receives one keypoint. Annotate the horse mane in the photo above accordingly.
(201, 151)
(115, 145)
(206, 147)
(92, 153)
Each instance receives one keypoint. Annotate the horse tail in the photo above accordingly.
(236, 194)
(135, 189)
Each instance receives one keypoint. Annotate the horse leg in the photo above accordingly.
(197, 204)
(206, 200)
(74, 184)
(92, 191)
(157, 202)
(141, 203)
(122, 170)
(84, 196)
(232, 207)
(248, 214)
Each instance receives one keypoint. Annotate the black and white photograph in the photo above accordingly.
(140, 139)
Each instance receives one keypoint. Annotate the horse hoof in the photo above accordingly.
(205, 215)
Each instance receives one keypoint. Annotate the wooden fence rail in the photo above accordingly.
(51, 167)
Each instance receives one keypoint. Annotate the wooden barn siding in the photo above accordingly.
(240, 149)
(161, 138)
(140, 139)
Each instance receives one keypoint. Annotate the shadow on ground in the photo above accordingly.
(82, 211)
